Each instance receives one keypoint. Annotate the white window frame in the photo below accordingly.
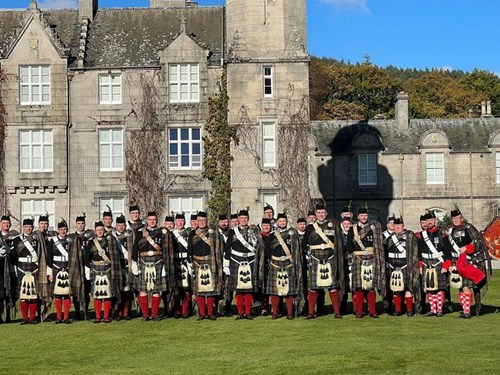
(29, 84)
(175, 160)
(269, 145)
(271, 199)
(498, 166)
(110, 154)
(36, 208)
(433, 174)
(365, 166)
(108, 82)
(45, 147)
(117, 205)
(190, 205)
(438, 212)
(188, 80)
(268, 81)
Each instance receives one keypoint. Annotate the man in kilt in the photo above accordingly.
(64, 259)
(364, 241)
(150, 261)
(134, 222)
(182, 268)
(226, 300)
(107, 220)
(125, 238)
(325, 270)
(205, 253)
(81, 238)
(7, 294)
(284, 260)
(435, 260)
(102, 268)
(29, 260)
(464, 237)
(402, 268)
(345, 225)
(243, 251)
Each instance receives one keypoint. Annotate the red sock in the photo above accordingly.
(97, 308)
(397, 299)
(248, 304)
(335, 298)
(275, 302)
(58, 304)
(359, 298)
(312, 298)
(185, 303)
(107, 308)
(409, 304)
(289, 305)
(201, 306)
(353, 302)
(32, 308)
(432, 302)
(372, 297)
(239, 303)
(23, 306)
(155, 306)
(439, 301)
(67, 307)
(128, 297)
(467, 302)
(143, 303)
(210, 305)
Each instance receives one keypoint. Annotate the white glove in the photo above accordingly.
(49, 271)
(163, 272)
(226, 271)
(135, 269)
(190, 269)
(3, 252)
(87, 273)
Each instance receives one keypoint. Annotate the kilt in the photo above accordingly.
(285, 266)
(322, 256)
(205, 263)
(357, 282)
(234, 265)
(160, 283)
(24, 269)
(392, 265)
(56, 272)
(100, 270)
(179, 275)
(443, 279)
(466, 283)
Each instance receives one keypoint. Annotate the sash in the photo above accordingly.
(453, 243)
(396, 242)
(101, 252)
(123, 249)
(152, 242)
(59, 246)
(357, 237)
(432, 248)
(283, 245)
(27, 244)
(386, 234)
(323, 235)
(242, 240)
(180, 239)
(204, 238)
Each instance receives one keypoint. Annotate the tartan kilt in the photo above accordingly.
(217, 288)
(467, 283)
(23, 269)
(404, 271)
(357, 283)
(312, 268)
(271, 287)
(442, 278)
(98, 270)
(160, 284)
(179, 275)
(233, 277)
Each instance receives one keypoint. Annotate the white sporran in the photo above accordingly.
(324, 274)
(397, 283)
(102, 287)
(184, 281)
(204, 279)
(430, 280)
(366, 276)
(61, 285)
(244, 276)
(455, 278)
(150, 276)
(28, 288)
(282, 282)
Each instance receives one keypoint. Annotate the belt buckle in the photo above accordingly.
(29, 258)
(322, 246)
(150, 253)
(365, 252)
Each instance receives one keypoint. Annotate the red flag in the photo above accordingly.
(491, 238)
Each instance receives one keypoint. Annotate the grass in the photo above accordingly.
(391, 345)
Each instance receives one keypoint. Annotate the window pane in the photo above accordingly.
(104, 136)
(196, 148)
(173, 134)
(105, 150)
(184, 134)
(47, 137)
(195, 132)
(184, 161)
(185, 148)
(117, 135)
(173, 149)
(105, 162)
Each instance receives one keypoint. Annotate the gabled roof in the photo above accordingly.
(335, 137)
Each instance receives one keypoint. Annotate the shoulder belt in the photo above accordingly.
(101, 251)
(146, 235)
(28, 245)
(242, 240)
(123, 249)
(180, 239)
(322, 235)
(396, 242)
(59, 246)
(283, 245)
(204, 238)
(358, 238)
(431, 247)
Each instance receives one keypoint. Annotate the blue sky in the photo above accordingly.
(457, 34)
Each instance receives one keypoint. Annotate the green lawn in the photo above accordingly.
(400, 345)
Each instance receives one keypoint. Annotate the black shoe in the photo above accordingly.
(145, 318)
(127, 317)
(212, 317)
(374, 315)
(107, 321)
(410, 313)
(177, 316)
(156, 318)
(264, 313)
(118, 318)
(274, 317)
(34, 321)
(239, 317)
(464, 316)
(397, 313)
(200, 318)
(24, 322)
(185, 316)
(58, 321)
(67, 321)
(290, 317)
(96, 321)
(310, 317)
(249, 317)
(338, 316)
(439, 314)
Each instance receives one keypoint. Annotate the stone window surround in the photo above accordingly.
(191, 144)
(41, 85)
(433, 168)
(44, 147)
(111, 154)
(268, 81)
(269, 144)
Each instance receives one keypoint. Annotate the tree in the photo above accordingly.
(486, 86)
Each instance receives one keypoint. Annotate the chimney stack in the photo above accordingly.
(401, 111)
(486, 109)
(87, 9)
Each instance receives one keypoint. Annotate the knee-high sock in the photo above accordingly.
(23, 306)
(289, 305)
(107, 308)
(128, 298)
(439, 301)
(397, 299)
(335, 298)
(354, 302)
(312, 298)
(67, 307)
(467, 302)
(432, 302)
(143, 302)
(210, 306)
(155, 306)
(33, 306)
(372, 297)
(201, 306)
(461, 300)
(185, 303)
(275, 303)
(409, 304)
(359, 298)
(58, 305)
(97, 308)
(239, 303)
(248, 304)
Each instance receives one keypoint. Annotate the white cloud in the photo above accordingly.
(57, 4)
(361, 5)
(446, 68)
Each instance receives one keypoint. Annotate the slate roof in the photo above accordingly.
(463, 134)
(126, 37)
